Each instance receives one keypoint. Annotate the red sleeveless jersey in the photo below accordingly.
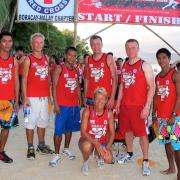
(99, 75)
(119, 69)
(166, 95)
(67, 87)
(38, 77)
(98, 126)
(134, 84)
(7, 79)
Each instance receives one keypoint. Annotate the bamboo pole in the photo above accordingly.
(75, 22)
(13, 17)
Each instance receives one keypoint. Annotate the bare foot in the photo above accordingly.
(168, 171)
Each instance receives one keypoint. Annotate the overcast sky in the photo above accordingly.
(115, 37)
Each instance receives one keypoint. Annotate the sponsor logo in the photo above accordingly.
(47, 6)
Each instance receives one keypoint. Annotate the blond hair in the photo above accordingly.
(100, 90)
(36, 35)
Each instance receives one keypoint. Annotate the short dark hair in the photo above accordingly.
(132, 40)
(70, 48)
(120, 59)
(20, 48)
(165, 51)
(5, 33)
(85, 55)
(110, 53)
(96, 37)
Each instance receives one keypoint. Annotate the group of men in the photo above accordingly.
(134, 102)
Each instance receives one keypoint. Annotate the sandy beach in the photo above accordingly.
(38, 169)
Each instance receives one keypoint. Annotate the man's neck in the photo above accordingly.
(4, 54)
(97, 56)
(69, 66)
(165, 70)
(37, 54)
(133, 60)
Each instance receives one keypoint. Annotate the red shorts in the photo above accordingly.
(130, 121)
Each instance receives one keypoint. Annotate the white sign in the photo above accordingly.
(45, 10)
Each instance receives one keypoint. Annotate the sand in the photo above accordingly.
(38, 169)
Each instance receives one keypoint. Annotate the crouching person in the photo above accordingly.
(97, 121)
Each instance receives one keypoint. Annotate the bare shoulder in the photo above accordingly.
(176, 76)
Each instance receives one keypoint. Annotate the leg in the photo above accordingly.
(3, 140)
(68, 136)
(41, 135)
(108, 158)
(29, 136)
(177, 159)
(170, 158)
(57, 143)
(129, 137)
(86, 148)
(144, 146)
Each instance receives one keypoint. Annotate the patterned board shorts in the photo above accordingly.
(168, 133)
(5, 124)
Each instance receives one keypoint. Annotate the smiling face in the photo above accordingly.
(70, 57)
(96, 46)
(6, 43)
(163, 60)
(37, 43)
(132, 49)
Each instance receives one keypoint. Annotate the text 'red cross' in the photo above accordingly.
(48, 1)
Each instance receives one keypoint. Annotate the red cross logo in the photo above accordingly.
(48, 1)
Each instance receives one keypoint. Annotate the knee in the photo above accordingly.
(86, 147)
(108, 158)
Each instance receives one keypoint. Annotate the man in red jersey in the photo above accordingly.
(9, 87)
(66, 95)
(134, 99)
(35, 86)
(100, 72)
(166, 109)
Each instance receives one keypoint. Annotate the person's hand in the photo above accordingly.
(145, 113)
(154, 119)
(26, 102)
(110, 103)
(171, 121)
(56, 109)
(16, 106)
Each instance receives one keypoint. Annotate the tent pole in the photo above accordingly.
(162, 40)
(75, 22)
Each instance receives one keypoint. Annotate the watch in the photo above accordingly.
(174, 114)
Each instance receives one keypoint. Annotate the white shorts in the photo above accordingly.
(38, 113)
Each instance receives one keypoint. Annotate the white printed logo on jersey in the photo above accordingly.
(5, 74)
(128, 78)
(163, 91)
(71, 83)
(98, 131)
(97, 73)
(41, 71)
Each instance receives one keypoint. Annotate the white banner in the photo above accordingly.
(45, 10)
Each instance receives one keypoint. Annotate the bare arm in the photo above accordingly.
(86, 81)
(26, 65)
(176, 79)
(16, 88)
(55, 78)
(150, 83)
(111, 130)
(112, 67)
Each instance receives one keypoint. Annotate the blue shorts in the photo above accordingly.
(5, 124)
(68, 120)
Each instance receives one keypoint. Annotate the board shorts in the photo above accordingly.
(169, 134)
